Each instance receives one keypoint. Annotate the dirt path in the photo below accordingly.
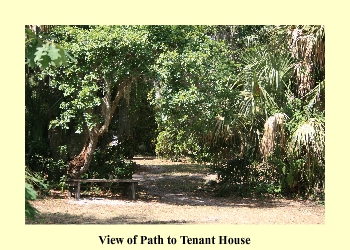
(175, 193)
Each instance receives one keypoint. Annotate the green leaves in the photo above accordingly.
(194, 85)
(50, 54)
(103, 54)
(42, 53)
(30, 194)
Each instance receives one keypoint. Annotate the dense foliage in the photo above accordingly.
(111, 163)
(250, 100)
(247, 99)
(194, 86)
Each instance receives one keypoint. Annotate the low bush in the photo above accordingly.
(241, 176)
(110, 163)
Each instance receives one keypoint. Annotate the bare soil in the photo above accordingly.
(173, 193)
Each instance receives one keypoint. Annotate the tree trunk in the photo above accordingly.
(123, 120)
(80, 164)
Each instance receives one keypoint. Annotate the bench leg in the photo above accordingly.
(132, 191)
(77, 192)
(70, 190)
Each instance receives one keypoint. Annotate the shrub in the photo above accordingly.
(243, 177)
(31, 180)
(110, 162)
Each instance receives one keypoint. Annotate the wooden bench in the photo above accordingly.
(74, 185)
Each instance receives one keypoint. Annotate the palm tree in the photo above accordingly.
(273, 80)
(307, 44)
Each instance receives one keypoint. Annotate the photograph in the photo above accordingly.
(175, 125)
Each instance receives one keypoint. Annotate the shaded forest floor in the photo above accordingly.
(173, 193)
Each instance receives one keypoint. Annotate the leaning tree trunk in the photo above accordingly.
(80, 163)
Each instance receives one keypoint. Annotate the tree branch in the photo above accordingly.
(108, 109)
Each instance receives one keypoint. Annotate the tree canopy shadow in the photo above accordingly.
(188, 185)
(70, 219)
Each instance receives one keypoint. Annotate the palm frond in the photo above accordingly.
(307, 45)
(309, 138)
(273, 134)
(313, 96)
(264, 78)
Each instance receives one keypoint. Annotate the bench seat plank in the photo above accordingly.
(101, 180)
(74, 185)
